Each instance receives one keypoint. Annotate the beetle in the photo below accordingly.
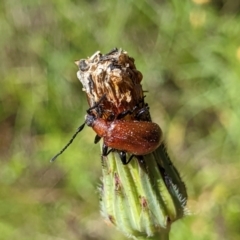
(136, 137)
(133, 136)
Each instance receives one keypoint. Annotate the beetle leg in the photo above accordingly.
(104, 150)
(140, 159)
(97, 139)
(104, 154)
(129, 160)
(143, 114)
(122, 156)
(111, 150)
(123, 114)
(143, 110)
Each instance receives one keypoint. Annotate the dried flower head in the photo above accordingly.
(113, 75)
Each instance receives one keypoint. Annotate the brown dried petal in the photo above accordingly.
(114, 75)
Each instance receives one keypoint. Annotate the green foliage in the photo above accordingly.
(189, 54)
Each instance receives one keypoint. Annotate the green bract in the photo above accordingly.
(142, 199)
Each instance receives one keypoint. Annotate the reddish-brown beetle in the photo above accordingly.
(135, 137)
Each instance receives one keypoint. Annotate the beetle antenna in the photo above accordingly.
(79, 129)
(71, 140)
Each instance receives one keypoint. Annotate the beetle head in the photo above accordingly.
(89, 119)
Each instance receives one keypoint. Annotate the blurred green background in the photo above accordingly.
(189, 54)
